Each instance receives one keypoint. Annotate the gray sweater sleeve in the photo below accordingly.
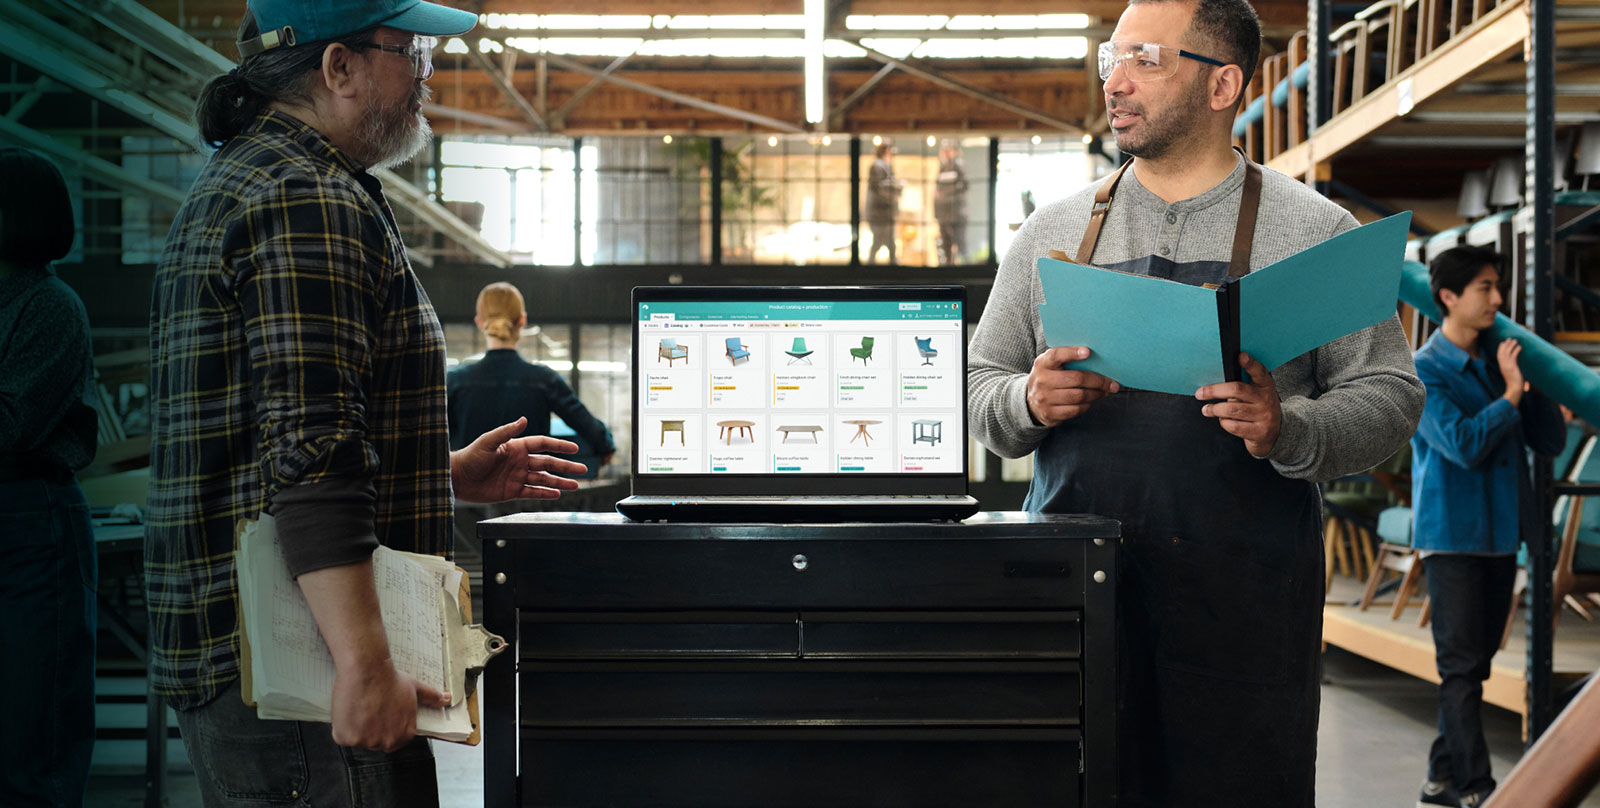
(1363, 402)
(1003, 348)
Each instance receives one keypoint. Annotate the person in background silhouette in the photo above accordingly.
(883, 201)
(47, 433)
(502, 386)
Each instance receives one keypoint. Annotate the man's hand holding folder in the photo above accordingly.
(1250, 410)
(1058, 393)
(1151, 333)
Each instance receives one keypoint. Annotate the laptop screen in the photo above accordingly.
(799, 390)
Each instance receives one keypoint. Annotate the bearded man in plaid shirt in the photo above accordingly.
(298, 369)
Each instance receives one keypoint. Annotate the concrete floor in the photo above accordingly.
(1376, 728)
(1377, 725)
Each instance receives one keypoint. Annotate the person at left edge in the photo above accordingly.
(298, 368)
(47, 434)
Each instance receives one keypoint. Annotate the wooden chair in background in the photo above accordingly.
(1395, 554)
(1352, 505)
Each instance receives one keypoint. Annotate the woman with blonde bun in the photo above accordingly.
(502, 387)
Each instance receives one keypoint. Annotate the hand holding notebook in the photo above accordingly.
(1155, 334)
(288, 672)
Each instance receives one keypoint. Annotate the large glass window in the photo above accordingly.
(650, 197)
(786, 200)
(929, 199)
(605, 370)
(145, 221)
(1033, 172)
(520, 194)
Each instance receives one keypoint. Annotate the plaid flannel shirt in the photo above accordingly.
(290, 344)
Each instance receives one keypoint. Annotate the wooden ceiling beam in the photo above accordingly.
(900, 103)
(226, 13)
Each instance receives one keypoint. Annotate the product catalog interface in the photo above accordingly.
(800, 387)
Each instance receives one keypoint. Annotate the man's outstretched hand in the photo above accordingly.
(499, 466)
(1252, 410)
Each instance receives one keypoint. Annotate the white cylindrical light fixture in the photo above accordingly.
(816, 88)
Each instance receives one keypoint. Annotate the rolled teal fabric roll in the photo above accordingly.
(1554, 372)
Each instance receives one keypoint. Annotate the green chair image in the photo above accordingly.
(798, 352)
(671, 351)
(864, 352)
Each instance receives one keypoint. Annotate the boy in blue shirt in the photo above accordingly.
(1473, 502)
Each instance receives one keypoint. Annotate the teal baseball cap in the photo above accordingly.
(288, 22)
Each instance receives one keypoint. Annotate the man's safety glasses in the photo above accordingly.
(1144, 61)
(419, 51)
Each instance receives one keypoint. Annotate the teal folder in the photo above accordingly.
(1156, 334)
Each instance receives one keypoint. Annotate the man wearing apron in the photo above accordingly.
(1220, 590)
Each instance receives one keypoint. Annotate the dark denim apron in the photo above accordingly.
(1219, 592)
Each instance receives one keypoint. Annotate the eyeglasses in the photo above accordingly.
(1144, 61)
(419, 51)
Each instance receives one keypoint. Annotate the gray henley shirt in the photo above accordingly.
(1346, 406)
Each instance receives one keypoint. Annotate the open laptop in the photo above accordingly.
(819, 404)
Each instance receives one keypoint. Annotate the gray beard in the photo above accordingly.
(393, 136)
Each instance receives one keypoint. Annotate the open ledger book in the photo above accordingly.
(288, 672)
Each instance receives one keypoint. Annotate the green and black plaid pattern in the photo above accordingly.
(290, 343)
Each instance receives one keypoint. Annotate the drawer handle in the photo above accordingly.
(800, 562)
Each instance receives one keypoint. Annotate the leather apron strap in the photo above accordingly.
(1097, 216)
(1244, 229)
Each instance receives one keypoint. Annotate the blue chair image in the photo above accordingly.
(671, 351)
(798, 352)
(925, 349)
(736, 351)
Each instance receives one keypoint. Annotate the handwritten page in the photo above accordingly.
(292, 671)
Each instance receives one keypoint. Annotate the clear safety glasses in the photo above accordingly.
(419, 51)
(1144, 61)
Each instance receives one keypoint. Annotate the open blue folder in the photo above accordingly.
(1156, 334)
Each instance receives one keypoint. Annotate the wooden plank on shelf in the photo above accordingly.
(1342, 626)
(1490, 40)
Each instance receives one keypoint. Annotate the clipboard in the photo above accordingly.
(466, 646)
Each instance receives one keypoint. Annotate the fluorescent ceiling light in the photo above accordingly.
(815, 83)
(757, 47)
(1017, 22)
(895, 22)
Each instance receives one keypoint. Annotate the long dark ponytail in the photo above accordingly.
(232, 100)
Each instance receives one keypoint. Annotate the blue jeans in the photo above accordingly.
(1471, 597)
(242, 761)
(47, 627)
